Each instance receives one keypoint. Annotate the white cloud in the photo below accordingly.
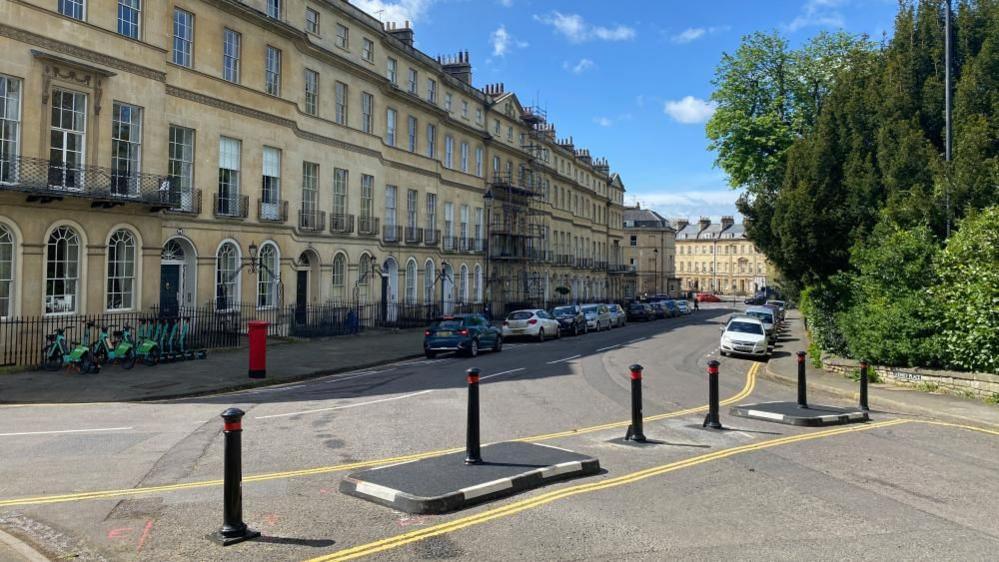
(690, 110)
(603, 121)
(694, 33)
(397, 11)
(503, 42)
(577, 30)
(688, 203)
(580, 67)
(818, 13)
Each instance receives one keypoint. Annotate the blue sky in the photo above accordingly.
(628, 79)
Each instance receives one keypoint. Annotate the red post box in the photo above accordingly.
(258, 348)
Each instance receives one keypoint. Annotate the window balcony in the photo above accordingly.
(311, 220)
(231, 206)
(341, 223)
(48, 180)
(431, 236)
(272, 211)
(367, 226)
(188, 203)
(472, 245)
(392, 234)
(450, 245)
(413, 235)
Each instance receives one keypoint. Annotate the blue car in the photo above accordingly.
(461, 333)
(672, 310)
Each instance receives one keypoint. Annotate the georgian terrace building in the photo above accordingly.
(719, 258)
(149, 150)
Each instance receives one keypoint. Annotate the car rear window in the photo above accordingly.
(745, 328)
(454, 324)
(590, 308)
(559, 310)
(520, 315)
(765, 316)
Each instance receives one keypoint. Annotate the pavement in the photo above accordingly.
(886, 397)
(287, 361)
(141, 480)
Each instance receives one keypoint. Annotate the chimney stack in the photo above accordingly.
(704, 222)
(681, 223)
(459, 66)
(727, 222)
(404, 34)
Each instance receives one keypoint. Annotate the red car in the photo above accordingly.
(706, 297)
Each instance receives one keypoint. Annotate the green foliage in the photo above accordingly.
(821, 303)
(968, 269)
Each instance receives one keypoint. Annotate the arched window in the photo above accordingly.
(121, 270)
(268, 276)
(411, 282)
(227, 277)
(339, 274)
(429, 275)
(172, 251)
(478, 283)
(363, 276)
(6, 272)
(463, 283)
(62, 271)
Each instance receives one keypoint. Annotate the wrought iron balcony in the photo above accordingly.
(473, 245)
(276, 211)
(600, 265)
(450, 245)
(189, 203)
(414, 235)
(367, 226)
(311, 220)
(341, 223)
(52, 180)
(231, 206)
(565, 260)
(391, 234)
(431, 236)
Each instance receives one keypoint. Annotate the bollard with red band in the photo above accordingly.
(233, 529)
(257, 331)
(473, 454)
(802, 398)
(711, 420)
(863, 385)
(635, 431)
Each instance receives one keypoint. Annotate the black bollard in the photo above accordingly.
(635, 432)
(863, 386)
(711, 420)
(472, 453)
(233, 529)
(802, 397)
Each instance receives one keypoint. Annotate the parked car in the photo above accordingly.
(570, 318)
(707, 297)
(597, 317)
(781, 307)
(682, 305)
(656, 310)
(767, 316)
(532, 323)
(744, 335)
(638, 312)
(671, 308)
(463, 333)
(618, 315)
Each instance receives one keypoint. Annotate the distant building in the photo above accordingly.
(650, 251)
(719, 258)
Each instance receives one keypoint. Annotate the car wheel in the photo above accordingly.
(498, 346)
(575, 329)
(473, 348)
(541, 335)
(558, 334)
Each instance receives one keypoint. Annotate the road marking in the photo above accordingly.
(609, 347)
(94, 430)
(630, 478)
(344, 407)
(636, 340)
(747, 389)
(501, 373)
(564, 359)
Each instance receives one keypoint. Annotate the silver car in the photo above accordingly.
(618, 317)
(597, 317)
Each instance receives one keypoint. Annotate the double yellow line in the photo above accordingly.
(104, 494)
(530, 503)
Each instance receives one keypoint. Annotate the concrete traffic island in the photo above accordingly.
(800, 413)
(792, 414)
(447, 483)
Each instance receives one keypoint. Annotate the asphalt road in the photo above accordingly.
(141, 481)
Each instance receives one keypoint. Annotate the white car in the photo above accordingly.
(530, 323)
(597, 317)
(744, 335)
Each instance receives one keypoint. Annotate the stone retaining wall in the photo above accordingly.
(979, 385)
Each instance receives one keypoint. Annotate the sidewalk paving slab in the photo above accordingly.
(783, 367)
(223, 371)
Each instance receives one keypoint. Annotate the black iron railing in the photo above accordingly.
(391, 234)
(231, 206)
(275, 211)
(367, 226)
(431, 236)
(341, 223)
(413, 235)
(311, 220)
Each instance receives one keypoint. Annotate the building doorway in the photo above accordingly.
(178, 276)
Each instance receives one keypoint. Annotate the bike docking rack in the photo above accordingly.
(165, 340)
(479, 474)
(800, 412)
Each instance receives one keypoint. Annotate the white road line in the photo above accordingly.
(609, 347)
(564, 359)
(636, 340)
(379, 401)
(65, 431)
(501, 373)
